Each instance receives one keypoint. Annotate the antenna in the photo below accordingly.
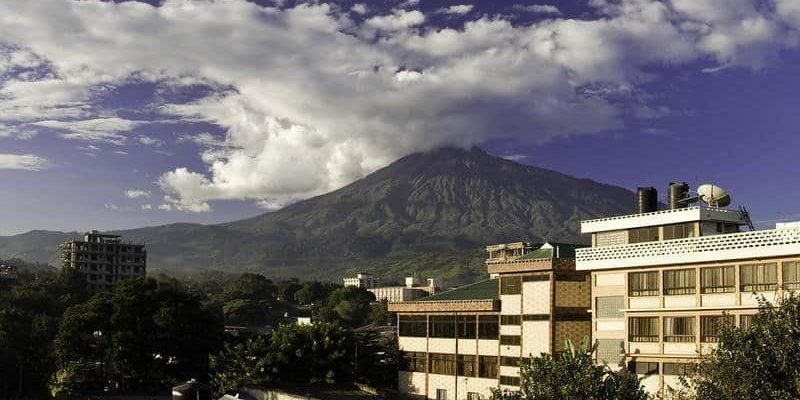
(713, 195)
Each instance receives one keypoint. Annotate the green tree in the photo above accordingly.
(572, 374)
(311, 292)
(348, 306)
(755, 362)
(318, 353)
(137, 337)
(249, 300)
(30, 311)
(241, 363)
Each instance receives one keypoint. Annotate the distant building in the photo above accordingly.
(8, 272)
(411, 291)
(303, 320)
(462, 343)
(361, 280)
(104, 259)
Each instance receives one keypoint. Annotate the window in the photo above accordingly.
(487, 367)
(679, 281)
(746, 321)
(510, 285)
(791, 275)
(412, 325)
(443, 326)
(510, 340)
(639, 235)
(537, 277)
(536, 317)
(610, 352)
(488, 327)
(466, 366)
(679, 329)
(442, 364)
(441, 394)
(466, 326)
(643, 329)
(412, 362)
(681, 369)
(610, 307)
(711, 325)
(717, 280)
(509, 361)
(643, 368)
(510, 319)
(643, 284)
(679, 231)
(473, 396)
(759, 277)
(509, 380)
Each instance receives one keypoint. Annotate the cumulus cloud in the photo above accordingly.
(146, 207)
(460, 9)
(27, 162)
(136, 193)
(150, 141)
(359, 8)
(314, 99)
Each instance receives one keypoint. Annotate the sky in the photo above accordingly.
(127, 114)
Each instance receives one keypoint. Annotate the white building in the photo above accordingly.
(663, 282)
(362, 280)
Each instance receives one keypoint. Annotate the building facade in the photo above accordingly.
(664, 282)
(361, 280)
(104, 259)
(461, 343)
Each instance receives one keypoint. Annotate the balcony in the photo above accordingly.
(733, 246)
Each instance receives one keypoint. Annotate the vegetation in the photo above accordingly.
(571, 375)
(755, 362)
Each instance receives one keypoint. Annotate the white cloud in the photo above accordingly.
(359, 8)
(27, 162)
(460, 9)
(98, 130)
(537, 8)
(314, 99)
(150, 141)
(515, 157)
(147, 207)
(136, 193)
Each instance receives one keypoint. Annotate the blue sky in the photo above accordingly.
(126, 114)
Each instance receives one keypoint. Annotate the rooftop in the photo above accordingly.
(482, 290)
(663, 217)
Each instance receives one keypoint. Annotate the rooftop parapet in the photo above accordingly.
(663, 217)
(722, 247)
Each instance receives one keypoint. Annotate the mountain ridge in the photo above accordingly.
(444, 201)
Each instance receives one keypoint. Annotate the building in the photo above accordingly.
(411, 291)
(361, 280)
(461, 343)
(104, 259)
(663, 282)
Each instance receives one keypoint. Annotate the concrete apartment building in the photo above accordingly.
(411, 291)
(461, 343)
(663, 282)
(104, 259)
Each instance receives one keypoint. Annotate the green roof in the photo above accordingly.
(565, 250)
(483, 290)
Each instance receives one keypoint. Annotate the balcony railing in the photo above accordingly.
(743, 245)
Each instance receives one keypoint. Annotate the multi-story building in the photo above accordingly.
(361, 280)
(663, 282)
(461, 343)
(104, 259)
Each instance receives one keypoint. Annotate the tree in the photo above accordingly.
(318, 353)
(139, 336)
(755, 362)
(241, 363)
(30, 311)
(348, 306)
(248, 300)
(311, 292)
(570, 375)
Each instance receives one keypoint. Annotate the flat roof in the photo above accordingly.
(663, 217)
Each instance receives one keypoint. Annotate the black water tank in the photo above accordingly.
(678, 191)
(646, 199)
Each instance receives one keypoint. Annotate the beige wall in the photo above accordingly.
(535, 337)
(536, 297)
(573, 294)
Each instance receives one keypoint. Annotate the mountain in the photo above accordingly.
(440, 205)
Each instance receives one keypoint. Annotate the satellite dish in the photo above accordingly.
(714, 196)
